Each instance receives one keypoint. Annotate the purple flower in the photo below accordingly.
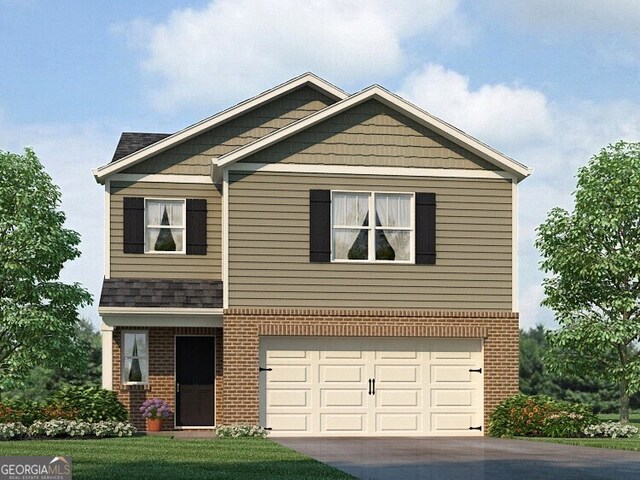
(155, 408)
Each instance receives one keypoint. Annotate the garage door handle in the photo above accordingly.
(369, 386)
(373, 382)
(476, 370)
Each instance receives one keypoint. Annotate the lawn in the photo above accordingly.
(616, 443)
(160, 458)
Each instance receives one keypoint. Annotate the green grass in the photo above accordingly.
(615, 443)
(160, 458)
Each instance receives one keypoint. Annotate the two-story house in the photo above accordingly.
(315, 262)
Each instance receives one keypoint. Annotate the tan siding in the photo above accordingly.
(193, 157)
(269, 247)
(166, 266)
(371, 134)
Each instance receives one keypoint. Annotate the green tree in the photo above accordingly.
(593, 258)
(38, 313)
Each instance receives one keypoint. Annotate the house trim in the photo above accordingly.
(225, 238)
(362, 170)
(159, 320)
(107, 229)
(310, 79)
(514, 246)
(393, 101)
(106, 332)
(160, 178)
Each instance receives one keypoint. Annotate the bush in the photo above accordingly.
(78, 428)
(241, 431)
(539, 416)
(611, 430)
(12, 430)
(92, 404)
(22, 411)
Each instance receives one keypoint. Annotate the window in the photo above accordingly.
(165, 226)
(135, 358)
(372, 227)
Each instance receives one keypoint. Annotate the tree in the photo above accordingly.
(593, 256)
(38, 313)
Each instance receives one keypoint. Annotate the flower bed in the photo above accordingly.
(62, 428)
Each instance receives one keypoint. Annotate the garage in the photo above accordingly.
(372, 386)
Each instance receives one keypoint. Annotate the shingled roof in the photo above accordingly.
(133, 141)
(143, 292)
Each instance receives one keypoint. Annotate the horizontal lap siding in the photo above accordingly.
(207, 266)
(269, 247)
(193, 157)
(371, 134)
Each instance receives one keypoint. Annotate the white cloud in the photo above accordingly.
(501, 115)
(68, 153)
(235, 48)
(596, 16)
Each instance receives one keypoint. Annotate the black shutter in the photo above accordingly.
(133, 241)
(196, 226)
(320, 226)
(425, 228)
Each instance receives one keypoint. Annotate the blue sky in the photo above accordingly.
(547, 82)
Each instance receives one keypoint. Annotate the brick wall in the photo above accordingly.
(244, 326)
(161, 370)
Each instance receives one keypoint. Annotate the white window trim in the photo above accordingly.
(123, 357)
(183, 227)
(372, 228)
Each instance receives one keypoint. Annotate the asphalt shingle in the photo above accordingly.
(136, 292)
(133, 141)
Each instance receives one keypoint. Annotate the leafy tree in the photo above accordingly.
(38, 313)
(593, 256)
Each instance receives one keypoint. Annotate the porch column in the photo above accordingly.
(107, 356)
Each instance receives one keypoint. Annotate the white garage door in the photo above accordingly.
(345, 386)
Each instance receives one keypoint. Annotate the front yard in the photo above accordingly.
(160, 458)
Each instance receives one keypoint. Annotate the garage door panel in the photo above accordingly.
(289, 422)
(341, 354)
(341, 373)
(278, 354)
(288, 398)
(452, 398)
(342, 423)
(408, 423)
(453, 422)
(396, 373)
(397, 398)
(289, 374)
(342, 398)
(396, 355)
(450, 374)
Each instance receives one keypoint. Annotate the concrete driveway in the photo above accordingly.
(453, 458)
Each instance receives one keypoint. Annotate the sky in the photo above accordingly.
(547, 82)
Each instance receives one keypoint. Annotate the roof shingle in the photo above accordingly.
(144, 292)
(131, 142)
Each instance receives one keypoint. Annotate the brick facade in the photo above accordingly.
(244, 326)
(161, 370)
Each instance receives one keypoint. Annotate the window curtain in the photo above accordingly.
(349, 210)
(136, 364)
(395, 211)
(164, 213)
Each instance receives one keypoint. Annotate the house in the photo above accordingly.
(315, 262)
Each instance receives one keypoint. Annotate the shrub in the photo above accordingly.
(12, 430)
(49, 428)
(78, 428)
(155, 408)
(241, 431)
(23, 411)
(539, 416)
(611, 429)
(113, 429)
(89, 403)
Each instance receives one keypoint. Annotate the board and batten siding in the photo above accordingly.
(193, 157)
(158, 265)
(269, 247)
(371, 134)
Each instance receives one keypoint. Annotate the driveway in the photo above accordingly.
(454, 458)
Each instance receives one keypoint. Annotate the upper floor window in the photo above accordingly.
(164, 226)
(373, 227)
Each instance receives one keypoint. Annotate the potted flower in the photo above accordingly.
(155, 410)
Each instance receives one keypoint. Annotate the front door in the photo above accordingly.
(195, 380)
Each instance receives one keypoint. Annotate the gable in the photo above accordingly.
(193, 157)
(371, 134)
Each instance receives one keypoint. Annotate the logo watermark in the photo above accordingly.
(35, 468)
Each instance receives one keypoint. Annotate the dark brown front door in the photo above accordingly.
(195, 379)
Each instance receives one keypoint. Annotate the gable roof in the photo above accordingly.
(131, 142)
(376, 92)
(306, 79)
